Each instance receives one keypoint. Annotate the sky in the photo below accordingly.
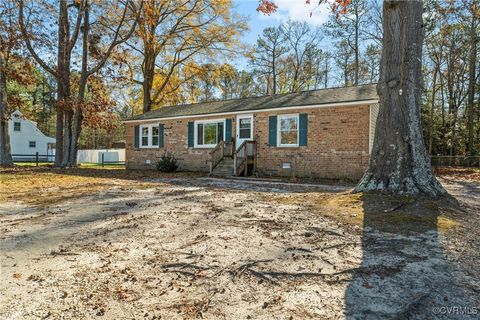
(293, 9)
(287, 9)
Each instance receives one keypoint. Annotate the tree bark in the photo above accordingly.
(75, 115)
(399, 163)
(62, 135)
(82, 86)
(148, 74)
(5, 151)
(432, 110)
(357, 49)
(471, 81)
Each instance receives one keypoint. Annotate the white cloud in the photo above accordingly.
(300, 11)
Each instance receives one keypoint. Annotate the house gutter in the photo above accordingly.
(327, 105)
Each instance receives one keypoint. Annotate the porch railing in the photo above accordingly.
(241, 157)
(216, 155)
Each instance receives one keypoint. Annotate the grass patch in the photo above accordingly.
(33, 164)
(394, 214)
(43, 188)
(99, 166)
(46, 186)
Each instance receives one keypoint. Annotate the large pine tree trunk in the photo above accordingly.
(5, 154)
(399, 163)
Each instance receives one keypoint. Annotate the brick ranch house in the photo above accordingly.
(325, 133)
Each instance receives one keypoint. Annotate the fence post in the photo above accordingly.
(36, 158)
(103, 159)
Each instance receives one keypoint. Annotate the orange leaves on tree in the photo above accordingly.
(340, 6)
(267, 7)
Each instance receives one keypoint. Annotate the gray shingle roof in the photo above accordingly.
(305, 98)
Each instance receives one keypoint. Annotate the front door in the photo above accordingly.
(244, 128)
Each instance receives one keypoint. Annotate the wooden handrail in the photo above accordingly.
(220, 146)
(243, 161)
(216, 148)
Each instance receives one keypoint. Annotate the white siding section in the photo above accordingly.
(95, 155)
(374, 108)
(20, 140)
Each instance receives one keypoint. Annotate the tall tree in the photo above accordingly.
(90, 47)
(68, 109)
(399, 163)
(173, 32)
(15, 70)
(300, 38)
(474, 10)
(269, 49)
(349, 27)
(8, 42)
(67, 34)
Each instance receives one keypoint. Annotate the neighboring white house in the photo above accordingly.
(27, 139)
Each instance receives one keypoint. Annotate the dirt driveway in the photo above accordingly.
(192, 247)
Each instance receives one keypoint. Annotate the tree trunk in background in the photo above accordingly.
(274, 74)
(399, 163)
(148, 74)
(432, 111)
(63, 81)
(357, 48)
(471, 81)
(82, 87)
(5, 152)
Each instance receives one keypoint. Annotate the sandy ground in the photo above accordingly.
(184, 248)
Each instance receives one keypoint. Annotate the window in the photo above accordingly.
(145, 131)
(244, 126)
(288, 130)
(155, 136)
(32, 144)
(208, 133)
(149, 136)
(16, 126)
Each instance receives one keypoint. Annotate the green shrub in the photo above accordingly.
(167, 163)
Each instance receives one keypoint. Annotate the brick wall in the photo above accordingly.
(175, 141)
(338, 143)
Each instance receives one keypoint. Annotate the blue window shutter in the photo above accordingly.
(228, 130)
(303, 130)
(272, 131)
(190, 134)
(137, 136)
(161, 130)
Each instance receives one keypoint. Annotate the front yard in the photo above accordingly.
(112, 244)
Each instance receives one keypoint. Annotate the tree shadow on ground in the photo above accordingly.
(405, 272)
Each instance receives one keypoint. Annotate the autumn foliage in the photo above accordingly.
(338, 6)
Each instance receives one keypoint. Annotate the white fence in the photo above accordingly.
(95, 155)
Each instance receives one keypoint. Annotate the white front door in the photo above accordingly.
(244, 128)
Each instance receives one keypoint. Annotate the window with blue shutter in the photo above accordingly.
(190, 134)
(137, 136)
(303, 129)
(228, 130)
(161, 131)
(272, 131)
